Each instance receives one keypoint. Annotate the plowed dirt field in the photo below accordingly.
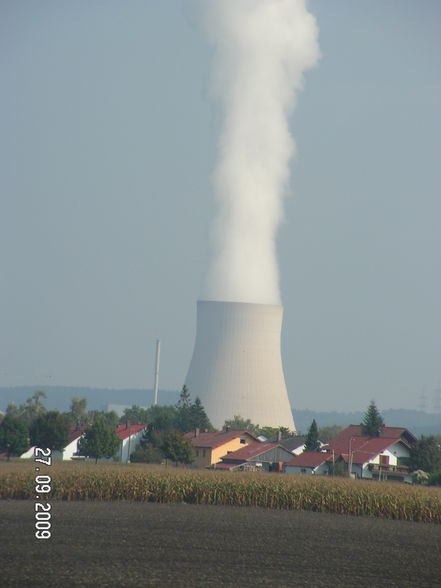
(143, 544)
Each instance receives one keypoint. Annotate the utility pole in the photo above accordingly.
(128, 453)
(156, 381)
(350, 458)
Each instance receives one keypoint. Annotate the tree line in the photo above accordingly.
(31, 424)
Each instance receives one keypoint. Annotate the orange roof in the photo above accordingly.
(216, 439)
(388, 432)
(250, 451)
(362, 449)
(124, 431)
(309, 459)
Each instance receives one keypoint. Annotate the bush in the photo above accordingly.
(147, 454)
(435, 479)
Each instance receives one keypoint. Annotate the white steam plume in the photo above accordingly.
(262, 48)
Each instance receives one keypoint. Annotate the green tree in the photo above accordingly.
(13, 410)
(178, 449)
(190, 415)
(30, 410)
(14, 436)
(100, 440)
(426, 454)
(328, 432)
(339, 468)
(273, 432)
(184, 398)
(50, 429)
(147, 454)
(183, 419)
(372, 421)
(312, 442)
(111, 418)
(239, 423)
(268, 432)
(135, 415)
(162, 418)
(198, 417)
(78, 414)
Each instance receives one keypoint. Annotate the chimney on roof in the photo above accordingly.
(196, 432)
(279, 436)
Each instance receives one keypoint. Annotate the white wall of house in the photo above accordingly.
(321, 469)
(71, 448)
(29, 454)
(128, 446)
(394, 453)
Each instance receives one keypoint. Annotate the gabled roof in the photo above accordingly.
(386, 432)
(292, 443)
(309, 459)
(76, 432)
(249, 452)
(216, 439)
(363, 449)
(124, 431)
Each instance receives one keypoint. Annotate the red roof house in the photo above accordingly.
(209, 447)
(263, 455)
(309, 462)
(373, 456)
(130, 436)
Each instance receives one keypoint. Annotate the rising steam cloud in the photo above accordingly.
(262, 48)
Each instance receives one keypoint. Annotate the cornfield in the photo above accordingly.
(139, 482)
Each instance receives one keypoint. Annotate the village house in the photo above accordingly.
(68, 451)
(71, 449)
(383, 456)
(130, 437)
(210, 447)
(295, 445)
(266, 456)
(309, 462)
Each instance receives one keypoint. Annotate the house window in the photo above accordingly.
(243, 440)
(197, 452)
(384, 460)
(203, 453)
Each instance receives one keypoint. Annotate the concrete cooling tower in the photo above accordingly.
(236, 367)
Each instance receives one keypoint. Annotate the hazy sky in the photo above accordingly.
(108, 144)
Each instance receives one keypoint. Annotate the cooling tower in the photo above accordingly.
(236, 368)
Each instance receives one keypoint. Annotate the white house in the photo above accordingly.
(309, 462)
(380, 456)
(130, 437)
(71, 449)
(68, 452)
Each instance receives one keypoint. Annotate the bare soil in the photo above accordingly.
(144, 544)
